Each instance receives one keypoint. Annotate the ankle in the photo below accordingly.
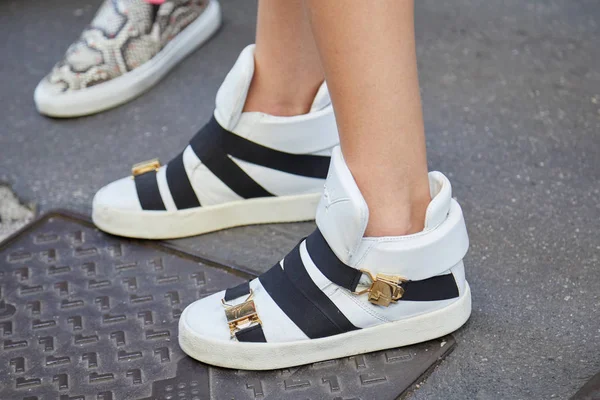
(280, 107)
(397, 219)
(275, 94)
(394, 210)
(275, 98)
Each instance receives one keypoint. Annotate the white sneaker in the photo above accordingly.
(129, 46)
(240, 169)
(338, 293)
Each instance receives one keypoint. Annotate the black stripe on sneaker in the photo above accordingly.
(179, 185)
(148, 192)
(208, 146)
(296, 271)
(243, 289)
(236, 146)
(328, 263)
(441, 287)
(298, 164)
(253, 334)
(292, 301)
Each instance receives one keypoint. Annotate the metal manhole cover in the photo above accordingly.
(88, 316)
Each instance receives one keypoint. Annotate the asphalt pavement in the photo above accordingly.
(511, 93)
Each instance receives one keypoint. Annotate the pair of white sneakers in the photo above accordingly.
(338, 293)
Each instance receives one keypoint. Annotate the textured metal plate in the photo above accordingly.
(88, 316)
(589, 391)
(383, 375)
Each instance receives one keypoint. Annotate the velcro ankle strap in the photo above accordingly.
(440, 287)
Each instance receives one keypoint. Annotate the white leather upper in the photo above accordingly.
(207, 317)
(442, 244)
(120, 194)
(312, 133)
(342, 218)
(280, 182)
(163, 188)
(417, 256)
(232, 94)
(301, 134)
(209, 189)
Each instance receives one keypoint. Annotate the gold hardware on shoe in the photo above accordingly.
(145, 166)
(384, 290)
(241, 316)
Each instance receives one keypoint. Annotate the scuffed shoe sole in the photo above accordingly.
(195, 221)
(266, 356)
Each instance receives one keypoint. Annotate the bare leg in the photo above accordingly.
(368, 54)
(287, 68)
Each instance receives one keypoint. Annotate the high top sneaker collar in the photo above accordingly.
(232, 94)
(308, 133)
(343, 214)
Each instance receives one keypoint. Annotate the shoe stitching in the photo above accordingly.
(336, 202)
(366, 252)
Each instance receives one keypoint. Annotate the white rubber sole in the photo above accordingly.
(133, 83)
(265, 356)
(199, 220)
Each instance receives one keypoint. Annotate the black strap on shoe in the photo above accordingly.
(245, 315)
(296, 294)
(328, 263)
(179, 185)
(291, 287)
(148, 192)
(298, 164)
(441, 287)
(253, 334)
(209, 146)
(215, 147)
(243, 289)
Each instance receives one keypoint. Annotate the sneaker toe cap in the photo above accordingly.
(120, 194)
(206, 318)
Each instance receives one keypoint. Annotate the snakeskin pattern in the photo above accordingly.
(123, 35)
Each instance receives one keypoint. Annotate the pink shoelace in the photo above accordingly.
(155, 1)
